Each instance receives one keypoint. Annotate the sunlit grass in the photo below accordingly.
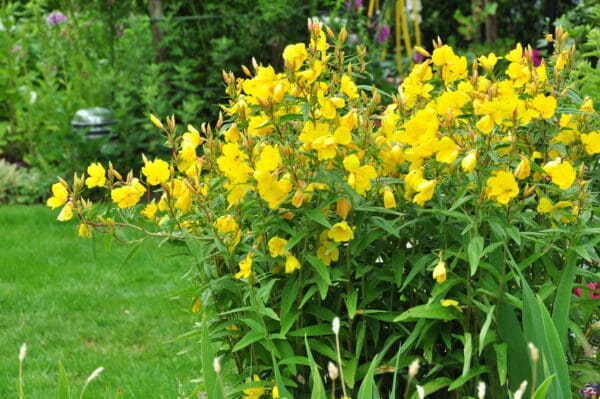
(70, 301)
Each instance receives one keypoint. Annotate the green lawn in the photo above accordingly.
(68, 299)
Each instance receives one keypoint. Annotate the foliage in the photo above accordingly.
(449, 222)
(583, 25)
(19, 185)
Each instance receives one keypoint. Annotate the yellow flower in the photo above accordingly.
(229, 230)
(59, 196)
(255, 392)
(523, 169)
(245, 268)
(341, 232)
(360, 180)
(488, 62)
(270, 189)
(485, 124)
(388, 198)
(156, 171)
(447, 150)
(561, 173)
(545, 205)
(425, 191)
(469, 162)
(277, 246)
(66, 213)
(502, 187)
(348, 87)
(97, 175)
(294, 55)
(451, 302)
(128, 195)
(84, 231)
(439, 272)
(544, 105)
(291, 263)
(150, 210)
(591, 142)
(587, 105)
(326, 252)
(275, 393)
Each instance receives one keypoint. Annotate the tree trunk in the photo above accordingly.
(155, 10)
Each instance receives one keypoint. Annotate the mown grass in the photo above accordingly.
(70, 301)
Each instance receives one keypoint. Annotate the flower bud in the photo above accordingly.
(421, 392)
(156, 122)
(481, 390)
(523, 170)
(333, 371)
(469, 161)
(335, 325)
(534, 353)
(217, 365)
(413, 369)
(22, 353)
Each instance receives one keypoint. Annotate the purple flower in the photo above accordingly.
(56, 18)
(357, 4)
(384, 33)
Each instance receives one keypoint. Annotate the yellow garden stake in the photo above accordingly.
(398, 41)
(415, 15)
(372, 6)
(405, 31)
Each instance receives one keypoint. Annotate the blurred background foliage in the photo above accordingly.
(164, 57)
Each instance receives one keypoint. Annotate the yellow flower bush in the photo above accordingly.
(315, 195)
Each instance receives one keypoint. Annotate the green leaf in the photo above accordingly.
(429, 311)
(475, 251)
(485, 328)
(501, 361)
(562, 300)
(540, 393)
(64, 390)
(386, 225)
(318, 390)
(368, 389)
(350, 301)
(208, 357)
(248, 339)
(467, 353)
(312, 331)
(460, 381)
(325, 280)
(316, 216)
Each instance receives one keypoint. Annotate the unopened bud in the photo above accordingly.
(22, 353)
(217, 365)
(421, 392)
(333, 371)
(343, 35)
(521, 391)
(534, 353)
(246, 71)
(330, 32)
(413, 369)
(420, 50)
(156, 122)
(481, 390)
(95, 374)
(335, 325)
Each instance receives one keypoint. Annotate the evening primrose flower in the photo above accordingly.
(488, 62)
(254, 392)
(97, 175)
(59, 196)
(523, 169)
(425, 191)
(245, 267)
(128, 195)
(439, 272)
(388, 198)
(66, 213)
(84, 231)
(451, 303)
(291, 263)
(561, 172)
(502, 187)
(294, 56)
(277, 246)
(156, 171)
(341, 232)
(591, 142)
(447, 150)
(348, 87)
(469, 162)
(150, 210)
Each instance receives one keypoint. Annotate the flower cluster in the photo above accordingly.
(299, 157)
